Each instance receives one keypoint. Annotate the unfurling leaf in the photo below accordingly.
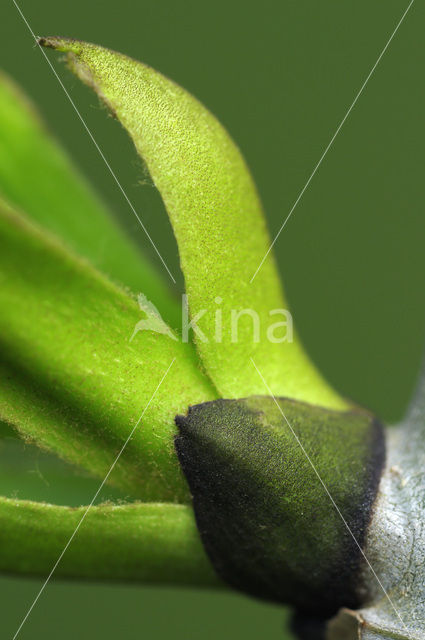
(217, 219)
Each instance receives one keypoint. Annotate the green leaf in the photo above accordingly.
(217, 218)
(70, 378)
(37, 176)
(154, 543)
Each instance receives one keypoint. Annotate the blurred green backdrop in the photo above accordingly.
(280, 75)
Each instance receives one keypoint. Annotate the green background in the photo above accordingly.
(280, 75)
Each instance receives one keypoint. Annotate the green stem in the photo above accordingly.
(150, 543)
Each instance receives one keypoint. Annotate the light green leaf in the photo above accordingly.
(71, 379)
(217, 218)
(37, 177)
(154, 543)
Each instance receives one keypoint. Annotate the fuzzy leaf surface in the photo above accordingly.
(217, 219)
(70, 378)
(38, 177)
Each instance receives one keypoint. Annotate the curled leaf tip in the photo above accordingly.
(53, 42)
(43, 42)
